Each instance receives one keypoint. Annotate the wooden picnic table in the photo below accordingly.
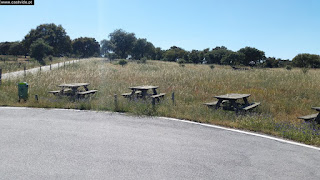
(72, 89)
(232, 99)
(141, 92)
(144, 90)
(315, 117)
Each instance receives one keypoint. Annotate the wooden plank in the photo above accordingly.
(251, 106)
(54, 92)
(138, 92)
(158, 95)
(308, 117)
(211, 103)
(71, 85)
(87, 92)
(126, 94)
(144, 87)
(316, 108)
(214, 103)
(232, 96)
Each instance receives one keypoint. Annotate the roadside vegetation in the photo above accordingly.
(284, 94)
(9, 63)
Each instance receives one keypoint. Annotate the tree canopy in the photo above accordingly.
(143, 48)
(306, 60)
(174, 53)
(251, 54)
(122, 42)
(16, 48)
(39, 49)
(85, 47)
(53, 35)
(4, 47)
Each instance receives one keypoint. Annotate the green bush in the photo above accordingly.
(288, 67)
(181, 61)
(143, 60)
(122, 62)
(305, 70)
(50, 58)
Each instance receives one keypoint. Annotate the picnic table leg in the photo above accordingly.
(61, 91)
(318, 118)
(86, 88)
(74, 90)
(234, 104)
(246, 103)
(143, 94)
(218, 103)
(131, 96)
(154, 92)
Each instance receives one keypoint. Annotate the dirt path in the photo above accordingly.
(16, 74)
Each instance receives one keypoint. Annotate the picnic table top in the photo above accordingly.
(232, 96)
(144, 87)
(74, 85)
(316, 108)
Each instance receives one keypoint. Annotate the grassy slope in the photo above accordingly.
(283, 94)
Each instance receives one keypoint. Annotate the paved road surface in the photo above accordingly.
(70, 144)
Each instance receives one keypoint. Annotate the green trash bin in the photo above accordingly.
(23, 91)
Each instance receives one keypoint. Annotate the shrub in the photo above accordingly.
(123, 62)
(181, 61)
(211, 66)
(143, 60)
(288, 67)
(305, 70)
(50, 58)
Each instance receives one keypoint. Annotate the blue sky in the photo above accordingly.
(280, 28)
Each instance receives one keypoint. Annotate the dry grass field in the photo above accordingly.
(284, 94)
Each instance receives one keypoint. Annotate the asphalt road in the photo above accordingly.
(70, 144)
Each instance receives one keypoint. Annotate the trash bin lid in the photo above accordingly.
(22, 83)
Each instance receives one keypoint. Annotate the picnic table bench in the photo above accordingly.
(73, 90)
(311, 117)
(230, 102)
(82, 94)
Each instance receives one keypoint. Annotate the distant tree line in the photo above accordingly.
(50, 39)
(121, 44)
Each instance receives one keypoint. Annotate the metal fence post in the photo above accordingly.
(154, 104)
(172, 97)
(116, 102)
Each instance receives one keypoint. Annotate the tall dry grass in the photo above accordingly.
(284, 95)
